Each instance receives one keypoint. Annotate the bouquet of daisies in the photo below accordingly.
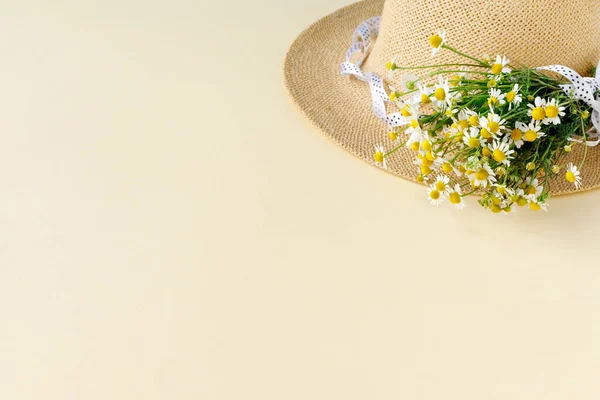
(489, 128)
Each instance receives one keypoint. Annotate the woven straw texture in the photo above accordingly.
(533, 33)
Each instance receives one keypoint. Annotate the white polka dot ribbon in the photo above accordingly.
(362, 41)
(582, 89)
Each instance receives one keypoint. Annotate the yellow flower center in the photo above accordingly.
(415, 146)
(393, 96)
(455, 80)
(425, 98)
(447, 168)
(378, 157)
(501, 189)
(440, 94)
(556, 169)
(570, 176)
(420, 178)
(393, 135)
(485, 133)
(434, 194)
(481, 175)
(531, 189)
(427, 145)
(507, 209)
(454, 198)
(530, 166)
(534, 206)
(510, 96)
(441, 186)
(430, 156)
(486, 152)
(551, 111)
(568, 148)
(405, 112)
(521, 201)
(499, 155)
(463, 124)
(493, 127)
(496, 69)
(531, 135)
(495, 208)
(516, 135)
(427, 162)
(474, 120)
(388, 65)
(473, 142)
(425, 170)
(435, 41)
(492, 100)
(414, 123)
(538, 113)
(492, 83)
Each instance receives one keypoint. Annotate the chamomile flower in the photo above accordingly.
(379, 156)
(513, 97)
(483, 177)
(455, 197)
(553, 112)
(500, 66)
(532, 132)
(437, 42)
(532, 187)
(391, 67)
(535, 204)
(516, 135)
(435, 196)
(492, 125)
(537, 111)
(573, 175)
(424, 95)
(471, 138)
(496, 98)
(441, 183)
(501, 152)
(441, 93)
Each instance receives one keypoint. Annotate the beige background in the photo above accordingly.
(172, 229)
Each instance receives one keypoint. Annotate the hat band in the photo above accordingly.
(580, 88)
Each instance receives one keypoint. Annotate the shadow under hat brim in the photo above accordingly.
(340, 107)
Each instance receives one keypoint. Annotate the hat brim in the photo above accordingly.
(340, 107)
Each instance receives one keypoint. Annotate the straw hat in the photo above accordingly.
(533, 33)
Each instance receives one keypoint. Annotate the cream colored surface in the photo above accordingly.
(172, 229)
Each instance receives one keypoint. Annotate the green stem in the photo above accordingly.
(481, 63)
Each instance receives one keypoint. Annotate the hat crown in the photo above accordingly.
(530, 32)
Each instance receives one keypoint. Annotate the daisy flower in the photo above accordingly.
(573, 175)
(532, 187)
(500, 66)
(441, 183)
(535, 204)
(379, 156)
(501, 152)
(471, 138)
(441, 93)
(492, 124)
(516, 135)
(455, 197)
(513, 97)
(391, 67)
(532, 131)
(435, 196)
(496, 98)
(437, 42)
(553, 112)
(424, 95)
(537, 111)
(483, 177)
